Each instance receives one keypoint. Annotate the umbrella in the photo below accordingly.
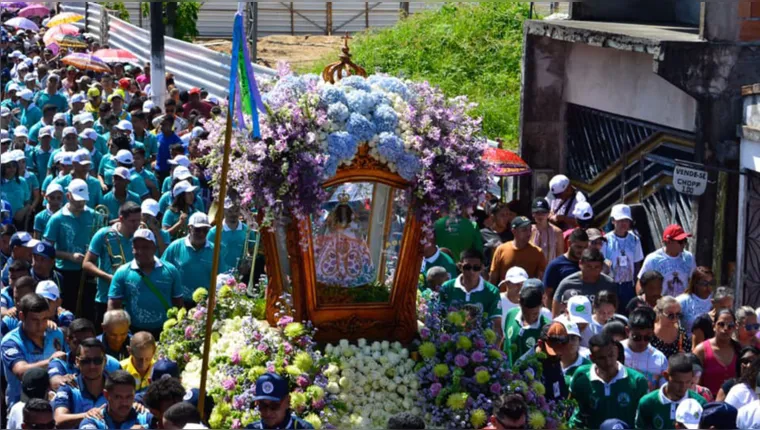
(86, 62)
(116, 56)
(34, 10)
(69, 41)
(505, 163)
(12, 5)
(64, 18)
(22, 23)
(51, 35)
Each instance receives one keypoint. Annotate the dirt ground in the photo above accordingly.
(300, 51)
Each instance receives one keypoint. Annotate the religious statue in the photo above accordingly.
(342, 257)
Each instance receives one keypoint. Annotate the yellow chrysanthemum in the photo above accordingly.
(457, 401)
(536, 420)
(427, 350)
(478, 418)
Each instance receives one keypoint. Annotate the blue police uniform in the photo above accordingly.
(77, 400)
(133, 419)
(6, 298)
(17, 347)
(274, 388)
(60, 367)
(291, 422)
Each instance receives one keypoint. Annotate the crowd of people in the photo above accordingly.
(103, 228)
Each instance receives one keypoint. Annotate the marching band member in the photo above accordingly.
(120, 195)
(193, 255)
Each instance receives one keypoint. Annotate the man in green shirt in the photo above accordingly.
(120, 193)
(657, 410)
(605, 389)
(522, 325)
(471, 288)
(457, 234)
(433, 257)
(193, 256)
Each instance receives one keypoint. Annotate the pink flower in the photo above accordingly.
(435, 389)
(302, 381)
(318, 405)
(236, 424)
(231, 282)
(198, 315)
(478, 357)
(189, 332)
(229, 384)
(241, 287)
(461, 361)
(235, 359)
(262, 347)
(284, 321)
(287, 347)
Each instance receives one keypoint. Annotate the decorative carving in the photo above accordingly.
(353, 325)
(364, 161)
(334, 72)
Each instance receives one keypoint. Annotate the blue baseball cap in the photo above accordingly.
(44, 249)
(534, 282)
(718, 415)
(193, 395)
(271, 386)
(22, 238)
(614, 424)
(164, 369)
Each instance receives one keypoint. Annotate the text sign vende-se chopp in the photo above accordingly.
(688, 181)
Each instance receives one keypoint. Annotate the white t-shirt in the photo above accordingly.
(676, 270)
(749, 416)
(651, 363)
(622, 253)
(16, 416)
(507, 305)
(740, 395)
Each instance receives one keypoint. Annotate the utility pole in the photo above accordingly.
(157, 54)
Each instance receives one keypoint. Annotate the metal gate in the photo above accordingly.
(751, 272)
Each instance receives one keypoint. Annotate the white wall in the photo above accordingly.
(622, 82)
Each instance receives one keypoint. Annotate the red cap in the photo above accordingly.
(675, 232)
(124, 83)
(195, 90)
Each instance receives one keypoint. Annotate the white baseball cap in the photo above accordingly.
(620, 212)
(689, 413)
(88, 133)
(180, 160)
(5, 158)
(145, 234)
(16, 54)
(78, 98)
(150, 207)
(30, 78)
(213, 100)
(124, 156)
(199, 219)
(79, 190)
(148, 106)
(26, 94)
(46, 131)
(21, 131)
(16, 155)
(86, 117)
(559, 184)
(64, 157)
(4, 111)
(59, 116)
(516, 275)
(182, 187)
(182, 173)
(69, 131)
(197, 132)
(48, 290)
(124, 125)
(82, 156)
(122, 172)
(54, 188)
(579, 309)
(583, 211)
(571, 327)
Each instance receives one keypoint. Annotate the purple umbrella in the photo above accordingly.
(34, 10)
(12, 5)
(22, 23)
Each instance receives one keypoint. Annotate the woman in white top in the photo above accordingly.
(697, 299)
(743, 393)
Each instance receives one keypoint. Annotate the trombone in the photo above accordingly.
(99, 221)
(251, 227)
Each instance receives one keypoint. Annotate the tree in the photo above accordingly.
(180, 18)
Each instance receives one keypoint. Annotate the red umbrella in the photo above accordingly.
(505, 163)
(116, 56)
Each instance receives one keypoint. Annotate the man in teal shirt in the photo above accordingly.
(193, 256)
(234, 234)
(30, 113)
(146, 287)
(50, 95)
(70, 231)
(120, 194)
(111, 248)
(43, 152)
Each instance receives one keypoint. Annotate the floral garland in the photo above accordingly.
(312, 128)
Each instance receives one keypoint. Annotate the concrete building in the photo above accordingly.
(617, 93)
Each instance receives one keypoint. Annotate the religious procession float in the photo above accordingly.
(348, 176)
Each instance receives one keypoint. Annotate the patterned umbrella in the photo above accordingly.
(51, 35)
(64, 18)
(22, 23)
(12, 5)
(86, 62)
(34, 10)
(69, 41)
(505, 163)
(116, 56)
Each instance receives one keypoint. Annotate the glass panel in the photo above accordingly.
(357, 238)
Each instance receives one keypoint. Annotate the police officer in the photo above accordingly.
(86, 400)
(192, 255)
(118, 412)
(64, 370)
(43, 264)
(273, 402)
(21, 249)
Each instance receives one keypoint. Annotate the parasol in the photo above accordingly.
(12, 5)
(34, 10)
(22, 23)
(69, 41)
(116, 56)
(505, 163)
(50, 36)
(86, 62)
(64, 18)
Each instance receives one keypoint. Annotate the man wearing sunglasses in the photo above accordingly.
(657, 409)
(119, 412)
(64, 370)
(471, 288)
(639, 354)
(38, 415)
(72, 404)
(673, 261)
(273, 402)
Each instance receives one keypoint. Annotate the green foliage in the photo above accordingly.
(185, 26)
(471, 49)
(118, 9)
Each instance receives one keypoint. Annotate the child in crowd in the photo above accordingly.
(142, 350)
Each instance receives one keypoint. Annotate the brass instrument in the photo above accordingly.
(99, 221)
(256, 238)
